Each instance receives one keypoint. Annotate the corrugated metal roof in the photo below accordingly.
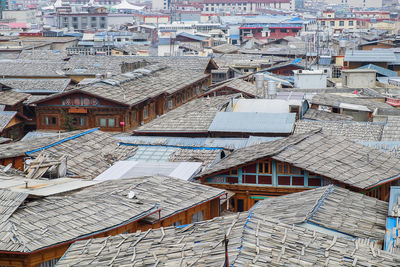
(253, 122)
(380, 70)
(369, 56)
(42, 188)
(132, 169)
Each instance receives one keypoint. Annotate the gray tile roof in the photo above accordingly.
(89, 152)
(112, 64)
(11, 98)
(242, 60)
(19, 148)
(206, 156)
(391, 131)
(194, 116)
(173, 195)
(9, 202)
(267, 243)
(255, 239)
(197, 245)
(36, 85)
(95, 64)
(331, 156)
(240, 85)
(43, 55)
(56, 220)
(330, 207)
(357, 131)
(320, 115)
(143, 84)
(225, 49)
(5, 118)
(335, 100)
(32, 68)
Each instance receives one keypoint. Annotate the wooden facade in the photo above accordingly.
(15, 128)
(75, 110)
(208, 210)
(270, 178)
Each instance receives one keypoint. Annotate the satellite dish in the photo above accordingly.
(6, 168)
(131, 194)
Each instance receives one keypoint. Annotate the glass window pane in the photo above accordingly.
(103, 122)
(111, 122)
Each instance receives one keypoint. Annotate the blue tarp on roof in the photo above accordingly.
(253, 122)
(380, 70)
(392, 220)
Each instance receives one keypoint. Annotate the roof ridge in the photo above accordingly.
(327, 192)
(61, 141)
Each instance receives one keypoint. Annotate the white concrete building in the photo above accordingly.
(310, 79)
(359, 78)
(356, 3)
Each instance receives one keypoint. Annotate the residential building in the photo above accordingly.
(121, 102)
(297, 163)
(267, 226)
(129, 205)
(356, 3)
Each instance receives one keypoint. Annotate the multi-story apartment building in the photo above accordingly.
(241, 6)
(95, 18)
(356, 3)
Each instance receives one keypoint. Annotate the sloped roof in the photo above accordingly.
(5, 118)
(9, 202)
(141, 84)
(391, 130)
(330, 207)
(173, 195)
(55, 220)
(356, 131)
(320, 115)
(238, 85)
(36, 85)
(11, 98)
(380, 70)
(194, 116)
(199, 244)
(331, 156)
(89, 152)
(255, 239)
(369, 56)
(225, 49)
(335, 100)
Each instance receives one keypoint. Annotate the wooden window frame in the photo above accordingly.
(43, 120)
(283, 165)
(116, 121)
(261, 167)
